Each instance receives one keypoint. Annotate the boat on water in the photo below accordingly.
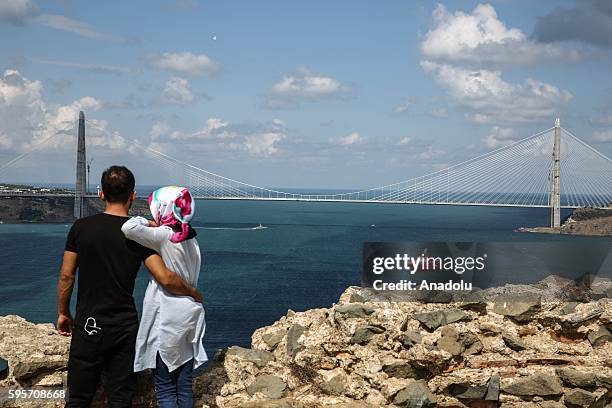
(260, 227)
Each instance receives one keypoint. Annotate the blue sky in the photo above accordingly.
(343, 94)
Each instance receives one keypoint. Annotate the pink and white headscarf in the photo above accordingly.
(174, 207)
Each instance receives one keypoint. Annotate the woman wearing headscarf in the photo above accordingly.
(172, 327)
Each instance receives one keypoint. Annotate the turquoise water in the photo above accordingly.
(305, 258)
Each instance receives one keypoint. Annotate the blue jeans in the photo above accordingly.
(174, 389)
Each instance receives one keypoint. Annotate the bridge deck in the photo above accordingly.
(326, 200)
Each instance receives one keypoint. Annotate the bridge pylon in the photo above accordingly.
(555, 179)
(80, 210)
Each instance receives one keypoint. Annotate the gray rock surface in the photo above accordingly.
(579, 398)
(433, 320)
(269, 385)
(539, 384)
(519, 308)
(415, 395)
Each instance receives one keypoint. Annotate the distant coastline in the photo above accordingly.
(57, 209)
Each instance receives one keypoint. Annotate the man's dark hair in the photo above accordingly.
(117, 184)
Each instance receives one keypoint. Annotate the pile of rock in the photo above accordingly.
(505, 348)
(37, 358)
(513, 351)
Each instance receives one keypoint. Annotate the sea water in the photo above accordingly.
(303, 255)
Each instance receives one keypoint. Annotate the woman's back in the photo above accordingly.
(184, 258)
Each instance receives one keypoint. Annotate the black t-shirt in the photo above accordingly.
(107, 267)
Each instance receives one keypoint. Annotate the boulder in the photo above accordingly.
(335, 382)
(490, 329)
(293, 335)
(354, 310)
(415, 395)
(468, 391)
(401, 369)
(519, 308)
(269, 385)
(493, 387)
(567, 308)
(579, 398)
(477, 306)
(538, 384)
(513, 342)
(578, 318)
(410, 338)
(599, 336)
(363, 334)
(258, 357)
(458, 343)
(37, 356)
(437, 318)
(272, 339)
(574, 378)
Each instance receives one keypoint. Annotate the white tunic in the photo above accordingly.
(171, 325)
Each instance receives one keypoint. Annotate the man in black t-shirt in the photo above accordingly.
(106, 322)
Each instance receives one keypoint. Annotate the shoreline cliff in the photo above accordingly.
(60, 209)
(582, 221)
(514, 346)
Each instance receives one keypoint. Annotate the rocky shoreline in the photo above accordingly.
(583, 221)
(511, 347)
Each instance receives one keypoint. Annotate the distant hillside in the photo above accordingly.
(52, 209)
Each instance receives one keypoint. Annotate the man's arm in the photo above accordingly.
(170, 280)
(64, 292)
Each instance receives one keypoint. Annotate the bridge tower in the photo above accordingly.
(81, 168)
(555, 179)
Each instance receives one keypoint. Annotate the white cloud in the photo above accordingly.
(214, 128)
(263, 144)
(499, 136)
(487, 98)
(349, 140)
(603, 136)
(177, 91)
(480, 37)
(404, 141)
(304, 85)
(213, 125)
(98, 68)
(17, 11)
(64, 23)
(219, 137)
(184, 63)
(439, 113)
(159, 129)
(430, 153)
(22, 98)
(404, 106)
(307, 86)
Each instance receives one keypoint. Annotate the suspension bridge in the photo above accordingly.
(552, 169)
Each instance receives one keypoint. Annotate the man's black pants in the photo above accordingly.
(110, 351)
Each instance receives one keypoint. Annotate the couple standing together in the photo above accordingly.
(107, 249)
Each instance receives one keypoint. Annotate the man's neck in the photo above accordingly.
(120, 210)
